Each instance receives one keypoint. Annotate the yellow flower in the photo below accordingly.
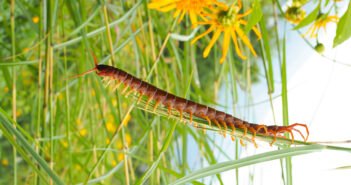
(35, 20)
(193, 7)
(110, 127)
(78, 121)
(228, 21)
(60, 96)
(295, 14)
(107, 140)
(83, 132)
(322, 20)
(4, 162)
(120, 156)
(78, 167)
(114, 163)
(128, 139)
(93, 92)
(64, 143)
(18, 113)
(6, 89)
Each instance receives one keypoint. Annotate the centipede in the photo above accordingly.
(173, 102)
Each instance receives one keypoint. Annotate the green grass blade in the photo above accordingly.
(154, 165)
(255, 159)
(7, 123)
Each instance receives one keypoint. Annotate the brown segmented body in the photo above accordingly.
(192, 108)
(182, 105)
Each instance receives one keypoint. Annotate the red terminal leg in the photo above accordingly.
(302, 125)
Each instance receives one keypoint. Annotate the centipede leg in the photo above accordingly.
(108, 82)
(181, 114)
(262, 126)
(117, 85)
(242, 143)
(204, 129)
(140, 96)
(232, 133)
(148, 101)
(191, 118)
(155, 107)
(245, 129)
(287, 130)
(225, 128)
(209, 121)
(275, 137)
(253, 135)
(124, 89)
(126, 95)
(169, 112)
(219, 126)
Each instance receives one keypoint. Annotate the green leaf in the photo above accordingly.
(255, 159)
(256, 16)
(309, 19)
(343, 30)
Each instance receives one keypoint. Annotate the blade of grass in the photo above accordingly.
(255, 159)
(7, 123)
(285, 112)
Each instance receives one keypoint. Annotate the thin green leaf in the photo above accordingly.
(255, 159)
(7, 123)
(343, 30)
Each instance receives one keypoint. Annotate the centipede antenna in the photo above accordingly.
(94, 57)
(91, 70)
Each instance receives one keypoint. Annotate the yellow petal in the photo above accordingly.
(244, 14)
(213, 40)
(257, 32)
(203, 34)
(159, 4)
(176, 13)
(232, 32)
(193, 18)
(181, 16)
(226, 39)
(167, 8)
(246, 40)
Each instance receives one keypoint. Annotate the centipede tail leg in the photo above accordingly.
(300, 134)
(303, 125)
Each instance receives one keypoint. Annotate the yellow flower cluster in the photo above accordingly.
(220, 18)
(322, 21)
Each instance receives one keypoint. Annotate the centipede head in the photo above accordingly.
(101, 70)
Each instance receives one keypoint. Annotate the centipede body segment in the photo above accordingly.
(221, 119)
